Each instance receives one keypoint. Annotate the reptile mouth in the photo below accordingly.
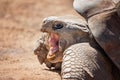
(53, 46)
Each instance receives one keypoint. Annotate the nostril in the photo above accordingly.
(44, 29)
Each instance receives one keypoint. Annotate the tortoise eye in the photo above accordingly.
(57, 26)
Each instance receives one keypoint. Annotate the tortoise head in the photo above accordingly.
(63, 32)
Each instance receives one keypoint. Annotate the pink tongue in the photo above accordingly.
(53, 44)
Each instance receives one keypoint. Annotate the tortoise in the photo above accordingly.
(90, 46)
(72, 43)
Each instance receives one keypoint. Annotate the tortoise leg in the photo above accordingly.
(83, 62)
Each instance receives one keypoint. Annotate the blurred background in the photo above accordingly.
(20, 21)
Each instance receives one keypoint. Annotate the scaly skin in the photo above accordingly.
(83, 62)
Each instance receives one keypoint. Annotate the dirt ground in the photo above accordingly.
(20, 22)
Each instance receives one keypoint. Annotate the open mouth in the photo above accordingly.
(53, 45)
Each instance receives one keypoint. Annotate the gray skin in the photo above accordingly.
(84, 61)
(82, 58)
(41, 49)
(103, 17)
(67, 35)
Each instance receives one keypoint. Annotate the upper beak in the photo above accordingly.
(43, 28)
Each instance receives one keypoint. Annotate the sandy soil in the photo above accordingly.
(20, 22)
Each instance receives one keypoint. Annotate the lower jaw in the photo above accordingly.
(55, 58)
(51, 57)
